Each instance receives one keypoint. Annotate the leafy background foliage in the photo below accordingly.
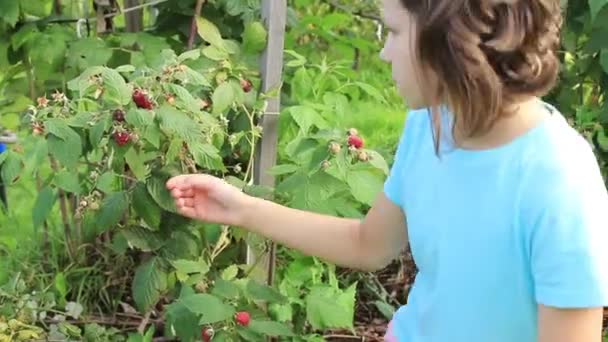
(91, 246)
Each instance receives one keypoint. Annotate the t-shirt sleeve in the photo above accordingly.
(569, 238)
(393, 186)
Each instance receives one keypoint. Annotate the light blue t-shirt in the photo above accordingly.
(495, 232)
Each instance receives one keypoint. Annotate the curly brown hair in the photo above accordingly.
(488, 54)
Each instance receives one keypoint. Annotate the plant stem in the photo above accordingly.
(64, 214)
(194, 28)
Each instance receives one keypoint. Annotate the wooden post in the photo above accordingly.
(274, 14)
(134, 20)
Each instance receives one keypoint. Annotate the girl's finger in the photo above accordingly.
(185, 202)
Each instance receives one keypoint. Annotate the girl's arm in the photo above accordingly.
(367, 244)
(569, 325)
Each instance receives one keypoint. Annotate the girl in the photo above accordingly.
(505, 204)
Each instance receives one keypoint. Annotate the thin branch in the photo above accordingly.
(194, 27)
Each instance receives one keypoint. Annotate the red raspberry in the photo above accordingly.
(242, 318)
(122, 138)
(141, 99)
(119, 115)
(355, 141)
(246, 85)
(207, 334)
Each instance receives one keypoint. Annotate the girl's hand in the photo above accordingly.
(209, 199)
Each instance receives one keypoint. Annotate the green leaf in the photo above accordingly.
(142, 239)
(306, 117)
(270, 328)
(112, 210)
(61, 284)
(181, 320)
(107, 182)
(149, 283)
(11, 166)
(371, 91)
(139, 118)
(136, 164)
(116, 89)
(365, 184)
(214, 53)
(330, 308)
(596, 6)
(226, 289)
(283, 169)
(42, 207)
(88, 52)
(211, 308)
(176, 122)
(9, 11)
(189, 55)
(68, 181)
(189, 76)
(158, 190)
(64, 143)
(184, 98)
(604, 60)
(223, 98)
(145, 207)
(230, 272)
(258, 291)
(254, 37)
(207, 156)
(209, 32)
(376, 160)
(190, 266)
(97, 131)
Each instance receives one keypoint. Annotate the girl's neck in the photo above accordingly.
(525, 116)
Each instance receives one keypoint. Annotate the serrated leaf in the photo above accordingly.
(190, 76)
(176, 122)
(184, 98)
(254, 37)
(136, 164)
(63, 143)
(158, 191)
(365, 184)
(330, 308)
(116, 89)
(142, 239)
(270, 328)
(11, 166)
(258, 291)
(181, 320)
(68, 181)
(127, 68)
(209, 32)
(107, 182)
(191, 266)
(42, 207)
(226, 289)
(230, 272)
(112, 210)
(207, 156)
(139, 118)
(223, 97)
(306, 117)
(145, 207)
(211, 308)
(149, 282)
